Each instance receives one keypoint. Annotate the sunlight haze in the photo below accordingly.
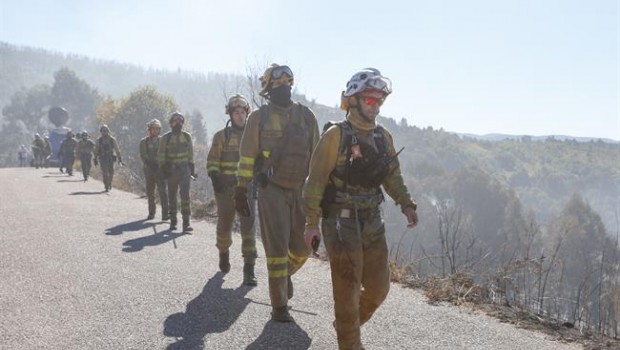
(513, 67)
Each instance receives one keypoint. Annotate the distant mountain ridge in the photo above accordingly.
(502, 137)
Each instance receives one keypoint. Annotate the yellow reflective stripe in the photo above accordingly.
(246, 161)
(229, 172)
(277, 260)
(245, 173)
(213, 168)
(229, 164)
(278, 273)
(296, 261)
(266, 154)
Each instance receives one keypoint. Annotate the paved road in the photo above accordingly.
(81, 269)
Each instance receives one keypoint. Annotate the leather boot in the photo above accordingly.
(187, 228)
(173, 223)
(280, 314)
(224, 262)
(248, 275)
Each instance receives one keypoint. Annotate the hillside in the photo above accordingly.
(494, 210)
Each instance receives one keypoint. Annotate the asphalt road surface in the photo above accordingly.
(82, 269)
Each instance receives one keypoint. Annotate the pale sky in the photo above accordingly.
(533, 67)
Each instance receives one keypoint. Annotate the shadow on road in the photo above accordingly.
(55, 175)
(130, 226)
(75, 180)
(85, 193)
(281, 336)
(213, 311)
(157, 238)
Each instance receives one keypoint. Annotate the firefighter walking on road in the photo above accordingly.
(350, 164)
(66, 153)
(84, 151)
(276, 147)
(222, 169)
(107, 153)
(153, 176)
(176, 159)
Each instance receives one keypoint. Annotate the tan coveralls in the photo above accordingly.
(222, 161)
(353, 230)
(153, 176)
(280, 203)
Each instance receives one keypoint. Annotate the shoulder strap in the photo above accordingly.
(380, 140)
(227, 131)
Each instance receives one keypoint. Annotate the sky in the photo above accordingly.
(534, 67)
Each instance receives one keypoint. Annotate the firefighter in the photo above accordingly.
(38, 151)
(66, 153)
(176, 159)
(275, 149)
(222, 169)
(153, 176)
(107, 152)
(84, 150)
(352, 162)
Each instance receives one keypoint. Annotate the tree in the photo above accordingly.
(198, 127)
(29, 106)
(76, 96)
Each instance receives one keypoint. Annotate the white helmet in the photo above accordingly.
(153, 123)
(368, 78)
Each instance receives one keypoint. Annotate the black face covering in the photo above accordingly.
(281, 95)
(177, 128)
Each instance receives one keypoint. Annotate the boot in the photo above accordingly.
(289, 288)
(165, 217)
(187, 228)
(224, 262)
(280, 314)
(248, 275)
(173, 223)
(151, 216)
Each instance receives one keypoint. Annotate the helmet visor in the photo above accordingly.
(277, 72)
(380, 83)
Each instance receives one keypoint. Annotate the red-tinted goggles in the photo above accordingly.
(371, 101)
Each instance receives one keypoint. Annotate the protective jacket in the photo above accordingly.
(278, 146)
(85, 147)
(330, 173)
(176, 149)
(67, 147)
(148, 151)
(223, 156)
(106, 147)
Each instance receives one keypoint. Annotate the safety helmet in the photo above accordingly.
(69, 134)
(275, 73)
(37, 136)
(368, 78)
(84, 134)
(235, 101)
(155, 123)
(104, 128)
(176, 115)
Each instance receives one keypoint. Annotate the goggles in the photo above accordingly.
(380, 83)
(277, 72)
(371, 101)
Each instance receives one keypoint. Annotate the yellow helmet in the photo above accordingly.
(275, 73)
(238, 100)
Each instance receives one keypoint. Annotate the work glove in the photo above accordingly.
(412, 216)
(216, 180)
(242, 206)
(96, 162)
(192, 171)
(312, 238)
